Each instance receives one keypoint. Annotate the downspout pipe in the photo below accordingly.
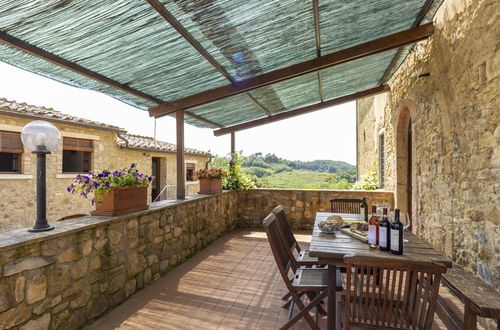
(121, 137)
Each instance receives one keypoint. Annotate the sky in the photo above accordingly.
(324, 134)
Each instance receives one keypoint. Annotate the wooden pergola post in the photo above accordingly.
(233, 147)
(181, 170)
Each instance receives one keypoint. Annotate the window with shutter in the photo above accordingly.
(77, 155)
(11, 150)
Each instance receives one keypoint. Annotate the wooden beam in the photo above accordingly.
(233, 146)
(257, 104)
(317, 34)
(301, 111)
(62, 62)
(420, 17)
(181, 167)
(202, 119)
(392, 41)
(26, 47)
(160, 8)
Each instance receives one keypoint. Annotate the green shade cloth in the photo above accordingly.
(129, 42)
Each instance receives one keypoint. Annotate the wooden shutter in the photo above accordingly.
(11, 142)
(77, 144)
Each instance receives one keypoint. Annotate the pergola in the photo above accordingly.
(223, 64)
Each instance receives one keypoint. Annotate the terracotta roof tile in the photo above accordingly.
(148, 143)
(33, 111)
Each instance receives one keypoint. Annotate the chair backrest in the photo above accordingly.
(399, 294)
(345, 205)
(282, 255)
(284, 228)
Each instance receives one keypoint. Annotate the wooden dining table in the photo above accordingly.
(330, 249)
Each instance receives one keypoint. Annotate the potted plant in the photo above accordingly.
(210, 180)
(118, 192)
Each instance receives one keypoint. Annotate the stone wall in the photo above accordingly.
(370, 123)
(64, 278)
(300, 205)
(448, 86)
(18, 191)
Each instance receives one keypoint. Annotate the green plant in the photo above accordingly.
(368, 181)
(100, 183)
(237, 179)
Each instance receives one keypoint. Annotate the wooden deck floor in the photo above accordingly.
(232, 284)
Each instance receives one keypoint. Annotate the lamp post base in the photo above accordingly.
(37, 228)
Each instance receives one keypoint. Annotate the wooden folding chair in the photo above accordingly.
(302, 257)
(405, 298)
(345, 205)
(311, 282)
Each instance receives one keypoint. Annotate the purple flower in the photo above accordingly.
(68, 189)
(133, 165)
(107, 184)
(149, 178)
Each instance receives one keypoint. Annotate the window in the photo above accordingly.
(381, 159)
(77, 155)
(11, 151)
(189, 172)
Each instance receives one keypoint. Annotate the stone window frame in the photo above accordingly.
(193, 169)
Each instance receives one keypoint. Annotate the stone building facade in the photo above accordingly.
(440, 126)
(18, 189)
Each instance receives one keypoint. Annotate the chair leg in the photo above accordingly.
(304, 311)
(311, 296)
(285, 297)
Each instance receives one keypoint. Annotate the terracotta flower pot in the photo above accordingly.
(209, 186)
(122, 200)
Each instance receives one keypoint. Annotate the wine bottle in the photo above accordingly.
(384, 241)
(363, 210)
(373, 228)
(396, 234)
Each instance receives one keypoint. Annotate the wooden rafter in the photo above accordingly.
(26, 47)
(257, 104)
(317, 33)
(203, 119)
(301, 111)
(420, 17)
(160, 8)
(376, 46)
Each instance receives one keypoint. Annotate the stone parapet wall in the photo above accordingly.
(64, 278)
(300, 205)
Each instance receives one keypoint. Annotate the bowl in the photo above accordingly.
(329, 227)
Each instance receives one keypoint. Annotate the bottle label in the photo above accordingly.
(394, 240)
(372, 234)
(382, 240)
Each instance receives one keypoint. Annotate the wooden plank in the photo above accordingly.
(301, 111)
(372, 47)
(482, 298)
(181, 168)
(26, 47)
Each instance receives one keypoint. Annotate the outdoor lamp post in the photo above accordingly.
(41, 138)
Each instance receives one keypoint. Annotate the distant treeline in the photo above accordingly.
(276, 164)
